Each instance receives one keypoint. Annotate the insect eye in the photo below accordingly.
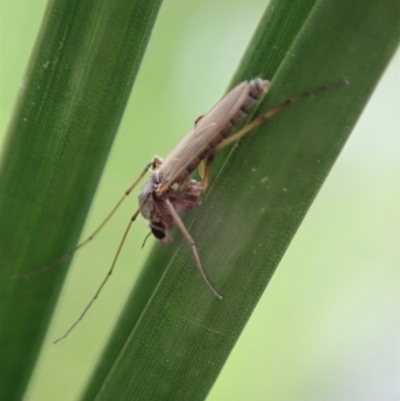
(158, 230)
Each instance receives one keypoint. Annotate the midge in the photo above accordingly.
(170, 191)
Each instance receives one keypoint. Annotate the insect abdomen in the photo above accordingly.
(210, 131)
(256, 88)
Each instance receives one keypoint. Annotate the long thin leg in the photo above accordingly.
(192, 244)
(205, 172)
(270, 113)
(154, 163)
(103, 283)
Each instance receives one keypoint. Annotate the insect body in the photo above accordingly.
(170, 191)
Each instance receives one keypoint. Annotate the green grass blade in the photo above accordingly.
(71, 101)
(261, 192)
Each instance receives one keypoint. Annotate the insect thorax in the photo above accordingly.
(183, 196)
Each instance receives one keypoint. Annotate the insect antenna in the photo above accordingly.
(69, 254)
(272, 112)
(103, 283)
(145, 239)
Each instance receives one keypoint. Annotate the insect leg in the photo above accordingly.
(156, 161)
(205, 170)
(192, 244)
(103, 283)
(270, 113)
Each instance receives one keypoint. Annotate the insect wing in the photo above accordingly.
(206, 134)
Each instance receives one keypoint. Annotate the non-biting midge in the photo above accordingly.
(171, 191)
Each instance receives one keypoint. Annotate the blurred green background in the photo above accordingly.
(336, 338)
